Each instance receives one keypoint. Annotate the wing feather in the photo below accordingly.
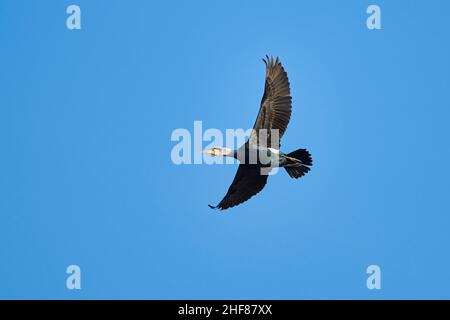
(276, 104)
(247, 182)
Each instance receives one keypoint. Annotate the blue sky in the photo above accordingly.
(86, 176)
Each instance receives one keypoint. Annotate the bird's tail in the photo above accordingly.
(298, 163)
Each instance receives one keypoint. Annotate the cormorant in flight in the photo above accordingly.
(269, 127)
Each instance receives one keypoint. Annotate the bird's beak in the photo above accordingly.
(211, 152)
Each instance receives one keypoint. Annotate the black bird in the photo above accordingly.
(263, 143)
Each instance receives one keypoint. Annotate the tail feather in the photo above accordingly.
(299, 167)
(303, 155)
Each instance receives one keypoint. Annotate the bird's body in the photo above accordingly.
(260, 154)
(264, 156)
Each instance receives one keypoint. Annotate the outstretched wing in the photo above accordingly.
(247, 182)
(276, 104)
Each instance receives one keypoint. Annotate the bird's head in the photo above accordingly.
(220, 152)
